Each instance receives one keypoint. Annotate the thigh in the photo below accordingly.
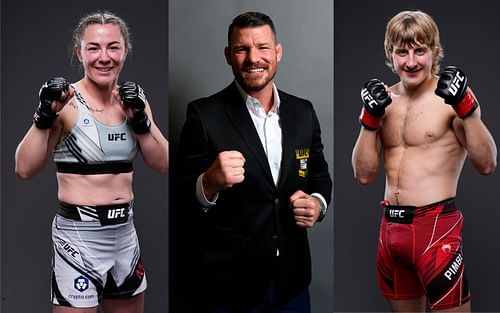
(81, 259)
(134, 304)
(127, 277)
(396, 275)
(409, 305)
(64, 309)
(441, 265)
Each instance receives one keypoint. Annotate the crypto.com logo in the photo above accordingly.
(81, 283)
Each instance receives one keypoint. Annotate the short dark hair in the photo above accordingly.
(250, 19)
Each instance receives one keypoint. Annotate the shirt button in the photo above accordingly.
(276, 202)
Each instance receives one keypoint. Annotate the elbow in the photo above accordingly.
(23, 173)
(489, 168)
(161, 167)
(365, 178)
(163, 170)
(164, 166)
(161, 164)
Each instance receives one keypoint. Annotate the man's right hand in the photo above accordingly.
(226, 171)
(375, 100)
(54, 91)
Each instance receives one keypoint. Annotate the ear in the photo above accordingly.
(78, 51)
(279, 52)
(227, 54)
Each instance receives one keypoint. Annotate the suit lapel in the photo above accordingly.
(238, 113)
(288, 131)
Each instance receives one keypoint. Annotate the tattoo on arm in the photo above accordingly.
(154, 138)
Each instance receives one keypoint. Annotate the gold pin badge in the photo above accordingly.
(302, 155)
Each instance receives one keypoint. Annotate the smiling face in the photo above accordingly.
(413, 29)
(253, 55)
(413, 64)
(102, 53)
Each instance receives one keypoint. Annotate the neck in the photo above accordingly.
(265, 97)
(423, 87)
(101, 94)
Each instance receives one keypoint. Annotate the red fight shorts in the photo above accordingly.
(420, 253)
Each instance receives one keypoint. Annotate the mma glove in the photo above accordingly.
(133, 97)
(51, 90)
(452, 87)
(375, 100)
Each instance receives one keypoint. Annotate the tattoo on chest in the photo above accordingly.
(93, 110)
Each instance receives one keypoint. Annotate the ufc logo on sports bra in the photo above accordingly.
(455, 85)
(116, 213)
(369, 99)
(396, 213)
(117, 137)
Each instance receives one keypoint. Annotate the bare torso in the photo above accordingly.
(423, 157)
(99, 189)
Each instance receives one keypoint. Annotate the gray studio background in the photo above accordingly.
(468, 33)
(197, 68)
(35, 37)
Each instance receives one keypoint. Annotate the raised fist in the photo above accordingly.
(133, 97)
(55, 89)
(452, 87)
(375, 100)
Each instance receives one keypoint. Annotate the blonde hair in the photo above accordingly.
(102, 18)
(411, 28)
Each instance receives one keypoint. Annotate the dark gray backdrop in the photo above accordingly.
(35, 37)
(197, 67)
(468, 33)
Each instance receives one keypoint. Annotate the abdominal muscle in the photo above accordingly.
(100, 189)
(420, 176)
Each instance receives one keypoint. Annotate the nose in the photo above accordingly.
(411, 60)
(253, 55)
(104, 56)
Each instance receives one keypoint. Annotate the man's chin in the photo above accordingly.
(252, 86)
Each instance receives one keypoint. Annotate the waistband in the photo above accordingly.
(404, 214)
(93, 169)
(106, 214)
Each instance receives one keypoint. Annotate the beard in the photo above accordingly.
(253, 84)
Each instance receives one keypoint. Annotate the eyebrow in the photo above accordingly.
(97, 44)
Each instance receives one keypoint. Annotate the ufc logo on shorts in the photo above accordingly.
(116, 213)
(396, 213)
(455, 84)
(369, 99)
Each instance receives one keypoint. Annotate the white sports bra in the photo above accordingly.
(92, 147)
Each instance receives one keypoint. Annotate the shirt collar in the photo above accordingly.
(252, 102)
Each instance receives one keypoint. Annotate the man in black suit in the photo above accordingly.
(252, 166)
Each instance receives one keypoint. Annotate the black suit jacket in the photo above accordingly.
(253, 219)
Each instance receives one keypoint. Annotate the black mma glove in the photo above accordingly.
(375, 99)
(452, 87)
(133, 97)
(51, 90)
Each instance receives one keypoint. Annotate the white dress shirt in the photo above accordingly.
(269, 129)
